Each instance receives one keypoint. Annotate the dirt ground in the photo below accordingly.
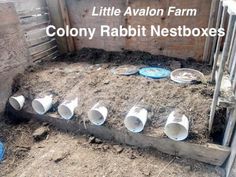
(66, 155)
(89, 75)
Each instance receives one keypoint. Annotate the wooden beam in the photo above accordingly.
(29, 13)
(231, 160)
(57, 20)
(208, 153)
(34, 19)
(37, 41)
(44, 46)
(219, 15)
(221, 70)
(66, 21)
(230, 127)
(218, 45)
(44, 53)
(208, 42)
(35, 34)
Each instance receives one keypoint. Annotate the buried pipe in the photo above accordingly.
(98, 114)
(42, 105)
(67, 108)
(17, 102)
(177, 126)
(136, 119)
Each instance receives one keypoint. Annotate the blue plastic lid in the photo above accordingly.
(2, 151)
(154, 72)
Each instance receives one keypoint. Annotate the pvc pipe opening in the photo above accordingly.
(67, 108)
(176, 131)
(38, 107)
(98, 114)
(17, 102)
(136, 119)
(96, 117)
(65, 112)
(177, 126)
(134, 124)
(42, 105)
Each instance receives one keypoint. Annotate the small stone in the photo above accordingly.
(118, 148)
(106, 82)
(91, 139)
(60, 156)
(132, 156)
(105, 147)
(41, 133)
(98, 141)
(146, 172)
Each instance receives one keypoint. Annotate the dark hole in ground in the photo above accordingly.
(219, 126)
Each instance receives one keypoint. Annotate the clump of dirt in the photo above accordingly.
(88, 75)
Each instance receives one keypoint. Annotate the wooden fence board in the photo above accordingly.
(34, 19)
(39, 48)
(44, 53)
(182, 47)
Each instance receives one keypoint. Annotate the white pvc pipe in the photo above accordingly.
(17, 102)
(42, 105)
(67, 108)
(98, 114)
(177, 126)
(136, 119)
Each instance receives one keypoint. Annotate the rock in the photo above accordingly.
(106, 82)
(98, 141)
(91, 139)
(60, 156)
(118, 148)
(40, 133)
(132, 156)
(94, 140)
(105, 147)
(146, 172)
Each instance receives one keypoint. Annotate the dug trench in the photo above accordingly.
(89, 75)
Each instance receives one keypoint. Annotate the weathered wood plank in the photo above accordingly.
(51, 56)
(209, 153)
(44, 53)
(181, 47)
(35, 26)
(25, 5)
(208, 43)
(221, 70)
(57, 21)
(39, 48)
(232, 156)
(37, 41)
(29, 13)
(34, 20)
(230, 128)
(66, 21)
(35, 34)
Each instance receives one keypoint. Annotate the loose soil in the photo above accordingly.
(67, 155)
(89, 76)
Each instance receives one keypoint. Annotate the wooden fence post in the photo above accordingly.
(60, 19)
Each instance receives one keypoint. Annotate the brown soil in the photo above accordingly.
(66, 155)
(89, 76)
